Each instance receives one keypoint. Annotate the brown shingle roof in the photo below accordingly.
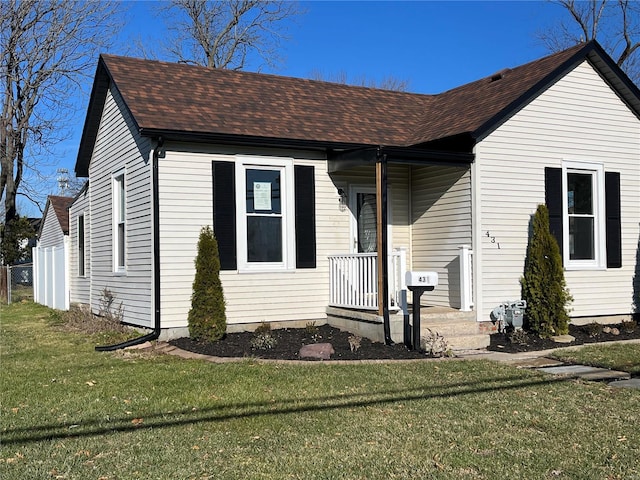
(176, 99)
(191, 99)
(61, 208)
(468, 108)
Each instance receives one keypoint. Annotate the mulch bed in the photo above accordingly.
(501, 342)
(289, 341)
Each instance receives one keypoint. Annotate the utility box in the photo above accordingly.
(421, 279)
(514, 313)
(509, 314)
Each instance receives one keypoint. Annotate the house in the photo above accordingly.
(51, 255)
(304, 181)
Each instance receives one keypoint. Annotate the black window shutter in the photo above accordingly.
(614, 228)
(305, 206)
(224, 213)
(553, 200)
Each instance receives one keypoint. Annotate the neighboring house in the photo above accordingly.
(303, 181)
(51, 255)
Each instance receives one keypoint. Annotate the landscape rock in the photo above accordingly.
(563, 338)
(321, 351)
(140, 346)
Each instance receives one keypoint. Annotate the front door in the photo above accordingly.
(364, 220)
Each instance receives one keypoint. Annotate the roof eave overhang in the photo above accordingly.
(101, 84)
(246, 140)
(44, 215)
(99, 90)
(344, 160)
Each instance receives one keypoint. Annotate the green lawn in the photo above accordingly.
(69, 412)
(621, 356)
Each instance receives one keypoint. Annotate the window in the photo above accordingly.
(264, 214)
(119, 221)
(264, 197)
(81, 259)
(583, 215)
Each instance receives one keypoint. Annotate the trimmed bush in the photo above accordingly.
(207, 317)
(543, 284)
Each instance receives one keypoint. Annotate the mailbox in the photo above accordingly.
(421, 279)
(418, 283)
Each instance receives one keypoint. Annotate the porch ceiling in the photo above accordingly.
(347, 159)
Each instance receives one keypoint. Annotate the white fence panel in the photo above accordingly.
(50, 286)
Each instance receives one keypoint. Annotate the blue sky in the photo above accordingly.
(434, 46)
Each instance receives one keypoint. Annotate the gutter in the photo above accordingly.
(157, 152)
(382, 252)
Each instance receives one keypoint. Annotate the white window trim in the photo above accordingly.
(600, 248)
(116, 208)
(82, 216)
(288, 213)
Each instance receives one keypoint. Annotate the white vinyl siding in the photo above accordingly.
(441, 211)
(51, 234)
(119, 147)
(578, 119)
(186, 205)
(80, 286)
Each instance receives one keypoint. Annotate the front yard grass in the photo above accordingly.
(68, 412)
(620, 356)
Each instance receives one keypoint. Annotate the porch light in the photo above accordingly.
(342, 199)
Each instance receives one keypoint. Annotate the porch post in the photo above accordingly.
(381, 223)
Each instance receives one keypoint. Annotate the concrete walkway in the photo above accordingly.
(540, 361)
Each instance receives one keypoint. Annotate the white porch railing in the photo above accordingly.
(354, 280)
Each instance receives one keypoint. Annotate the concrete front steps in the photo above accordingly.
(460, 330)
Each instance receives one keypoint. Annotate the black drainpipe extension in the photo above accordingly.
(382, 158)
(156, 261)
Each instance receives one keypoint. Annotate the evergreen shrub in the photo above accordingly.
(543, 284)
(207, 317)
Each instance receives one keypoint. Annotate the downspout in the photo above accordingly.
(383, 251)
(155, 154)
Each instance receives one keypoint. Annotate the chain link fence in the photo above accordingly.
(16, 283)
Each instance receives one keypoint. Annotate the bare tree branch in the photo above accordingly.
(229, 33)
(386, 83)
(48, 48)
(615, 24)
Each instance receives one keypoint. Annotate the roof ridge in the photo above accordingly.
(226, 71)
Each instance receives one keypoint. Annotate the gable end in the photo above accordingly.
(599, 60)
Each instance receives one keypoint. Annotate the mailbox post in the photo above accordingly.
(418, 283)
